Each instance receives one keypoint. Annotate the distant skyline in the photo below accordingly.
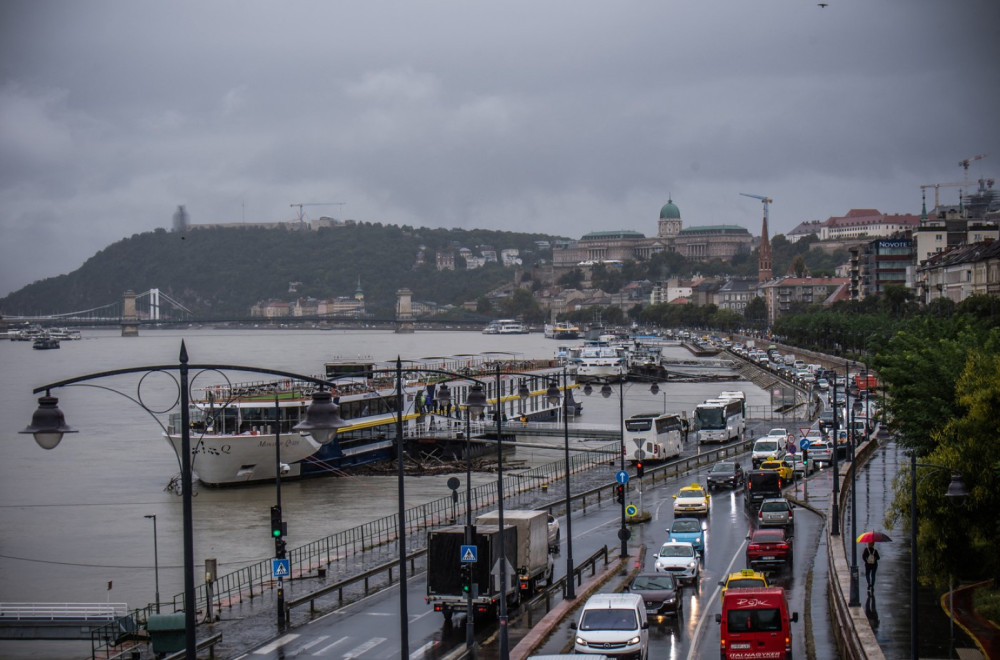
(564, 117)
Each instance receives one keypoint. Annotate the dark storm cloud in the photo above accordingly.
(563, 117)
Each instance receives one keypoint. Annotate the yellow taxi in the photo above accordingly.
(691, 500)
(784, 466)
(745, 579)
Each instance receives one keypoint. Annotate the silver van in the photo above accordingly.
(614, 625)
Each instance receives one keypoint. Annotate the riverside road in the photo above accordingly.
(369, 628)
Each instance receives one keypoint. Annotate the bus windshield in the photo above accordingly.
(711, 418)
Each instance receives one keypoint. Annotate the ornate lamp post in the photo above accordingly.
(48, 426)
(567, 404)
(956, 491)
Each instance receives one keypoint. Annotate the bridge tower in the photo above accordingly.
(130, 319)
(404, 311)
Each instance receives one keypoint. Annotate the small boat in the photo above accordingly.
(505, 327)
(64, 334)
(599, 361)
(45, 343)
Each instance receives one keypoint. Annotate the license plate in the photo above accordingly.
(739, 646)
(768, 557)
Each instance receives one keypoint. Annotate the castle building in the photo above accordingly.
(703, 243)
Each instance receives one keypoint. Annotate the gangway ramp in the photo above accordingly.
(59, 620)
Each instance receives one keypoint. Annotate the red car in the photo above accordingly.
(769, 548)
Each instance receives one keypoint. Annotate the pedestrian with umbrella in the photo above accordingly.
(870, 556)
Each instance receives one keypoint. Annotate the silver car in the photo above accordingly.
(776, 512)
(820, 453)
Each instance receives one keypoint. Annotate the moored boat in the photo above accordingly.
(233, 425)
(45, 342)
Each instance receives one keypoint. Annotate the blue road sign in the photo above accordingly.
(469, 554)
(804, 444)
(280, 568)
(631, 510)
(622, 477)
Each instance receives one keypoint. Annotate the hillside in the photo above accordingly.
(219, 272)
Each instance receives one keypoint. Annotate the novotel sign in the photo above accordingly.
(895, 244)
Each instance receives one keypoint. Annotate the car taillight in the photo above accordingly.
(783, 546)
(760, 516)
(791, 514)
(753, 546)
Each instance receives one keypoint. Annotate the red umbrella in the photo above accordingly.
(873, 537)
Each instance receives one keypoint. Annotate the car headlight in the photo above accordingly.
(634, 640)
(669, 600)
(581, 641)
(692, 564)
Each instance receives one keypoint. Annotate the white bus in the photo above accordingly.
(720, 420)
(653, 437)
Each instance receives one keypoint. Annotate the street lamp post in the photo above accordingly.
(48, 425)
(956, 491)
(279, 541)
(854, 597)
(568, 403)
(156, 562)
(503, 650)
(835, 526)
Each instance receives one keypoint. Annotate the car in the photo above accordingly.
(769, 548)
(820, 453)
(776, 512)
(691, 500)
(688, 530)
(725, 473)
(614, 625)
(554, 533)
(778, 433)
(745, 579)
(826, 419)
(823, 384)
(660, 592)
(799, 465)
(783, 466)
(679, 559)
(767, 448)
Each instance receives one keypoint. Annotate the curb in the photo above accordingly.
(540, 631)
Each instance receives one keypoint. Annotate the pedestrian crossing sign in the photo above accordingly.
(280, 568)
(469, 554)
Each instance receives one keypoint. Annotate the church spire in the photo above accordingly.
(764, 272)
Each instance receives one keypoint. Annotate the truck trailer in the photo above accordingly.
(533, 563)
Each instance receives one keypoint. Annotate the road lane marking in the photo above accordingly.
(693, 649)
(330, 646)
(321, 638)
(364, 648)
(276, 644)
(419, 653)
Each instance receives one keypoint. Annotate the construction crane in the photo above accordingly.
(983, 185)
(968, 161)
(765, 200)
(302, 204)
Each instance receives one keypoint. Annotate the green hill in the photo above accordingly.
(221, 271)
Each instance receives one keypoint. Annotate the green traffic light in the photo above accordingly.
(276, 533)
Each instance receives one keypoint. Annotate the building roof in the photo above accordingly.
(715, 229)
(610, 235)
(988, 249)
(670, 211)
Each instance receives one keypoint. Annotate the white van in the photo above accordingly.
(614, 625)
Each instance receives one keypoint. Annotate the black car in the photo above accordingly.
(725, 473)
(661, 594)
(826, 420)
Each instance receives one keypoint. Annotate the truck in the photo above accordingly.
(865, 382)
(455, 582)
(532, 561)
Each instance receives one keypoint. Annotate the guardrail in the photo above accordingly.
(62, 611)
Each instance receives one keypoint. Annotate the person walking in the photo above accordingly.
(870, 558)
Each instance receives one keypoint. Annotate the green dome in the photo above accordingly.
(670, 210)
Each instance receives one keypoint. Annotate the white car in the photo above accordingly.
(680, 559)
(778, 433)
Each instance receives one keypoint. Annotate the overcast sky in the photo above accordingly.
(562, 117)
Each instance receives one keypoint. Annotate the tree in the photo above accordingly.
(755, 313)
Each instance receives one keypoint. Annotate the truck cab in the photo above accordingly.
(755, 624)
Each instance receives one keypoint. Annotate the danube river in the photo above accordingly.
(74, 517)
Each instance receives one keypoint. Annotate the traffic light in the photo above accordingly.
(465, 572)
(620, 493)
(278, 527)
(279, 548)
(639, 470)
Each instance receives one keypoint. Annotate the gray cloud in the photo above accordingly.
(563, 117)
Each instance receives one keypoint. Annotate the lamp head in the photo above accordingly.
(552, 393)
(443, 394)
(48, 424)
(522, 391)
(588, 390)
(322, 418)
(605, 390)
(956, 489)
(654, 389)
(476, 402)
